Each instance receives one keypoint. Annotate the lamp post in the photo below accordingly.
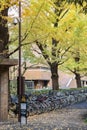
(20, 87)
(19, 63)
(20, 79)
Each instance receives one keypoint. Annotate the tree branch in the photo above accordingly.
(66, 50)
(36, 16)
(42, 50)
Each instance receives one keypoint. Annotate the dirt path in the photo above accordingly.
(67, 119)
(70, 118)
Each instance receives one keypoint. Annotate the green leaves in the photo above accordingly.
(79, 38)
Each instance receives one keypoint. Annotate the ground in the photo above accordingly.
(70, 118)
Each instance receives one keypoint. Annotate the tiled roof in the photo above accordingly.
(37, 74)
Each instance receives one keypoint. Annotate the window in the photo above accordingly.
(29, 84)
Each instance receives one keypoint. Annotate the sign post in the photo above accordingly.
(23, 111)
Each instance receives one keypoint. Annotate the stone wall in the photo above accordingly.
(54, 100)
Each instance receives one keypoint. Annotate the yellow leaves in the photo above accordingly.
(27, 12)
(80, 29)
(39, 9)
(7, 3)
(69, 16)
(41, 18)
(6, 18)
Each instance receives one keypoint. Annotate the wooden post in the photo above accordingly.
(4, 82)
(4, 94)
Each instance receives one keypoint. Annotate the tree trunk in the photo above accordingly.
(54, 77)
(77, 74)
(78, 80)
(4, 35)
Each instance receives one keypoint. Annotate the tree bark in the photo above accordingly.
(78, 80)
(4, 37)
(4, 34)
(76, 70)
(54, 76)
(53, 66)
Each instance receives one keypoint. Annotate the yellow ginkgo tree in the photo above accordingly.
(77, 63)
(51, 24)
